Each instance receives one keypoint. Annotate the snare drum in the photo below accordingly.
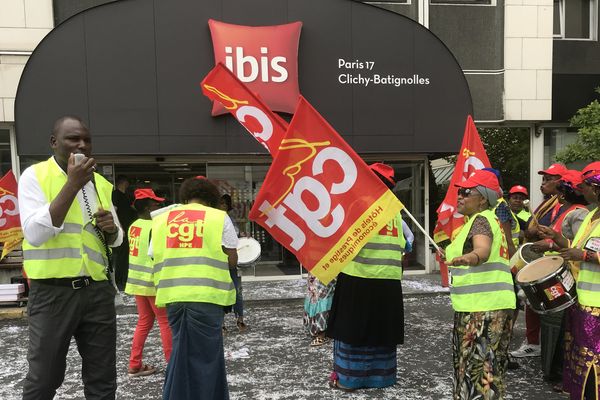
(523, 256)
(248, 252)
(548, 285)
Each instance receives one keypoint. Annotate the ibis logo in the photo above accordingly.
(265, 58)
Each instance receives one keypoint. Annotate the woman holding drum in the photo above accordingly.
(582, 342)
(482, 292)
(561, 231)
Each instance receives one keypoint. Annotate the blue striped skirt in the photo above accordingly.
(364, 366)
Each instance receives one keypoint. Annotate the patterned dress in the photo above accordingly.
(480, 343)
(317, 304)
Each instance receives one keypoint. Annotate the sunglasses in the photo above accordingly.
(466, 192)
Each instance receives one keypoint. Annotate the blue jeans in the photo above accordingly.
(196, 369)
(238, 307)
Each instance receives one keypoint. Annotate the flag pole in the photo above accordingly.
(421, 229)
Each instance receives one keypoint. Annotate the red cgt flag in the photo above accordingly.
(223, 86)
(11, 234)
(471, 157)
(319, 199)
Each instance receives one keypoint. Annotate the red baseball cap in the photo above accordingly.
(384, 170)
(518, 189)
(481, 178)
(146, 194)
(554, 169)
(594, 166)
(572, 177)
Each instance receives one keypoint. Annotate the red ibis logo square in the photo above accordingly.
(263, 57)
(185, 229)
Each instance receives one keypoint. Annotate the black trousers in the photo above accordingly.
(58, 313)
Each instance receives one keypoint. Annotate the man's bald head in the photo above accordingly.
(62, 120)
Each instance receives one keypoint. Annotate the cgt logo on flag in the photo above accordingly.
(319, 199)
(134, 240)
(222, 86)
(263, 57)
(185, 229)
(11, 234)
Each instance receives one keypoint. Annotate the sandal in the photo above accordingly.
(336, 385)
(319, 341)
(241, 326)
(143, 371)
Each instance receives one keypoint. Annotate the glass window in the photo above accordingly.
(575, 19)
(555, 140)
(5, 160)
(485, 2)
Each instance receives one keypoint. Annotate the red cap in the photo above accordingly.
(572, 177)
(518, 189)
(146, 194)
(554, 169)
(481, 178)
(594, 166)
(384, 170)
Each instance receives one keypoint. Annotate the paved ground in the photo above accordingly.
(272, 359)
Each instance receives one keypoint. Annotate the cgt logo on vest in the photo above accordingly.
(263, 57)
(185, 229)
(134, 240)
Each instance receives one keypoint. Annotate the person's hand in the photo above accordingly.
(442, 255)
(80, 172)
(571, 254)
(541, 246)
(105, 221)
(546, 232)
(468, 259)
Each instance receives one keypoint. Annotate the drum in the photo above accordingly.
(548, 284)
(524, 255)
(248, 252)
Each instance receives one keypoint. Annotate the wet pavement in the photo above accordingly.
(272, 359)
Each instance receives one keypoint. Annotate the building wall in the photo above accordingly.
(23, 24)
(474, 34)
(528, 60)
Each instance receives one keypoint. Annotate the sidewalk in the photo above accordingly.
(412, 285)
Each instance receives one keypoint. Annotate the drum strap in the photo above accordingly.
(557, 220)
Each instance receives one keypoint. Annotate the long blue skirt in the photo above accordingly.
(364, 366)
(196, 369)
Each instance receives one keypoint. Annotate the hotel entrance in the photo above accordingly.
(242, 178)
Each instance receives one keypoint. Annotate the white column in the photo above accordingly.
(536, 163)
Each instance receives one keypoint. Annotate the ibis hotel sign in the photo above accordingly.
(131, 69)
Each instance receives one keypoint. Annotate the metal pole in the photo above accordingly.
(422, 230)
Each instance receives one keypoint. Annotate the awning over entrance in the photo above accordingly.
(132, 68)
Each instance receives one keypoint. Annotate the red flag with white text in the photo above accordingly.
(319, 198)
(471, 157)
(223, 86)
(11, 234)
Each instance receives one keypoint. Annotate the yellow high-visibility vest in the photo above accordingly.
(77, 246)
(381, 257)
(140, 280)
(588, 280)
(189, 262)
(484, 287)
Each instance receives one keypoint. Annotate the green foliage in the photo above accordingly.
(508, 151)
(587, 146)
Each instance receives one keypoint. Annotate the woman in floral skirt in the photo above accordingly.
(482, 293)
